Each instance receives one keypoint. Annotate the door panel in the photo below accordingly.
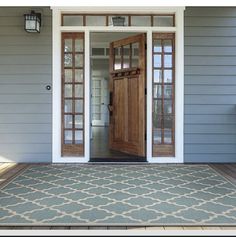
(127, 95)
(133, 111)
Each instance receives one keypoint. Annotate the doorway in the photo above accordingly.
(106, 119)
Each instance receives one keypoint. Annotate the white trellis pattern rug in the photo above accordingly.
(118, 195)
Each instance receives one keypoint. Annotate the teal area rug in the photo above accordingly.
(118, 195)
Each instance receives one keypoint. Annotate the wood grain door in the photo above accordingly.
(127, 95)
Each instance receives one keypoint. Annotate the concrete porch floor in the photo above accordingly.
(10, 170)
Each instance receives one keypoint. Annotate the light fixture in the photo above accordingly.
(118, 21)
(32, 22)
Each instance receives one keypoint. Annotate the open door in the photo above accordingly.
(127, 95)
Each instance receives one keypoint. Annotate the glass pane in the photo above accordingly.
(79, 75)
(97, 84)
(167, 60)
(96, 116)
(79, 45)
(78, 137)
(157, 91)
(157, 46)
(68, 120)
(167, 136)
(163, 21)
(168, 106)
(167, 46)
(68, 137)
(96, 109)
(168, 91)
(140, 20)
(157, 76)
(68, 45)
(68, 90)
(97, 100)
(68, 60)
(135, 55)
(68, 106)
(119, 21)
(79, 104)
(79, 90)
(168, 121)
(126, 50)
(135, 49)
(72, 20)
(68, 75)
(157, 136)
(157, 107)
(78, 121)
(157, 119)
(95, 21)
(157, 60)
(126, 57)
(97, 51)
(79, 60)
(117, 65)
(167, 76)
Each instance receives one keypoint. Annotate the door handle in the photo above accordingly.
(110, 109)
(109, 106)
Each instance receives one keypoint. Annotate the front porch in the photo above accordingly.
(120, 189)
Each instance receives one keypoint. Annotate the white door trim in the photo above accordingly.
(56, 95)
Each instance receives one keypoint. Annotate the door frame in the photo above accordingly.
(56, 76)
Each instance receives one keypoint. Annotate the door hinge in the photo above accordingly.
(146, 46)
(145, 136)
(145, 91)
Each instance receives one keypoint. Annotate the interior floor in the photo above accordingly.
(100, 152)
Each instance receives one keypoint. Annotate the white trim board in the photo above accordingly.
(179, 91)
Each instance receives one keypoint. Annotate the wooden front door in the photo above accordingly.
(127, 95)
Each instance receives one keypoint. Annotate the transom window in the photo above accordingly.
(157, 20)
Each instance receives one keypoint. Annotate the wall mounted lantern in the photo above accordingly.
(118, 21)
(32, 22)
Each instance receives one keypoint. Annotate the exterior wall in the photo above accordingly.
(210, 84)
(25, 104)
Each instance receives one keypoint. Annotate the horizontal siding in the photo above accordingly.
(214, 157)
(38, 98)
(210, 60)
(210, 99)
(25, 104)
(25, 138)
(219, 31)
(194, 50)
(210, 70)
(24, 157)
(204, 118)
(209, 41)
(25, 79)
(26, 50)
(210, 128)
(211, 149)
(30, 128)
(210, 84)
(208, 138)
(6, 118)
(209, 80)
(215, 12)
(23, 89)
(198, 109)
(25, 108)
